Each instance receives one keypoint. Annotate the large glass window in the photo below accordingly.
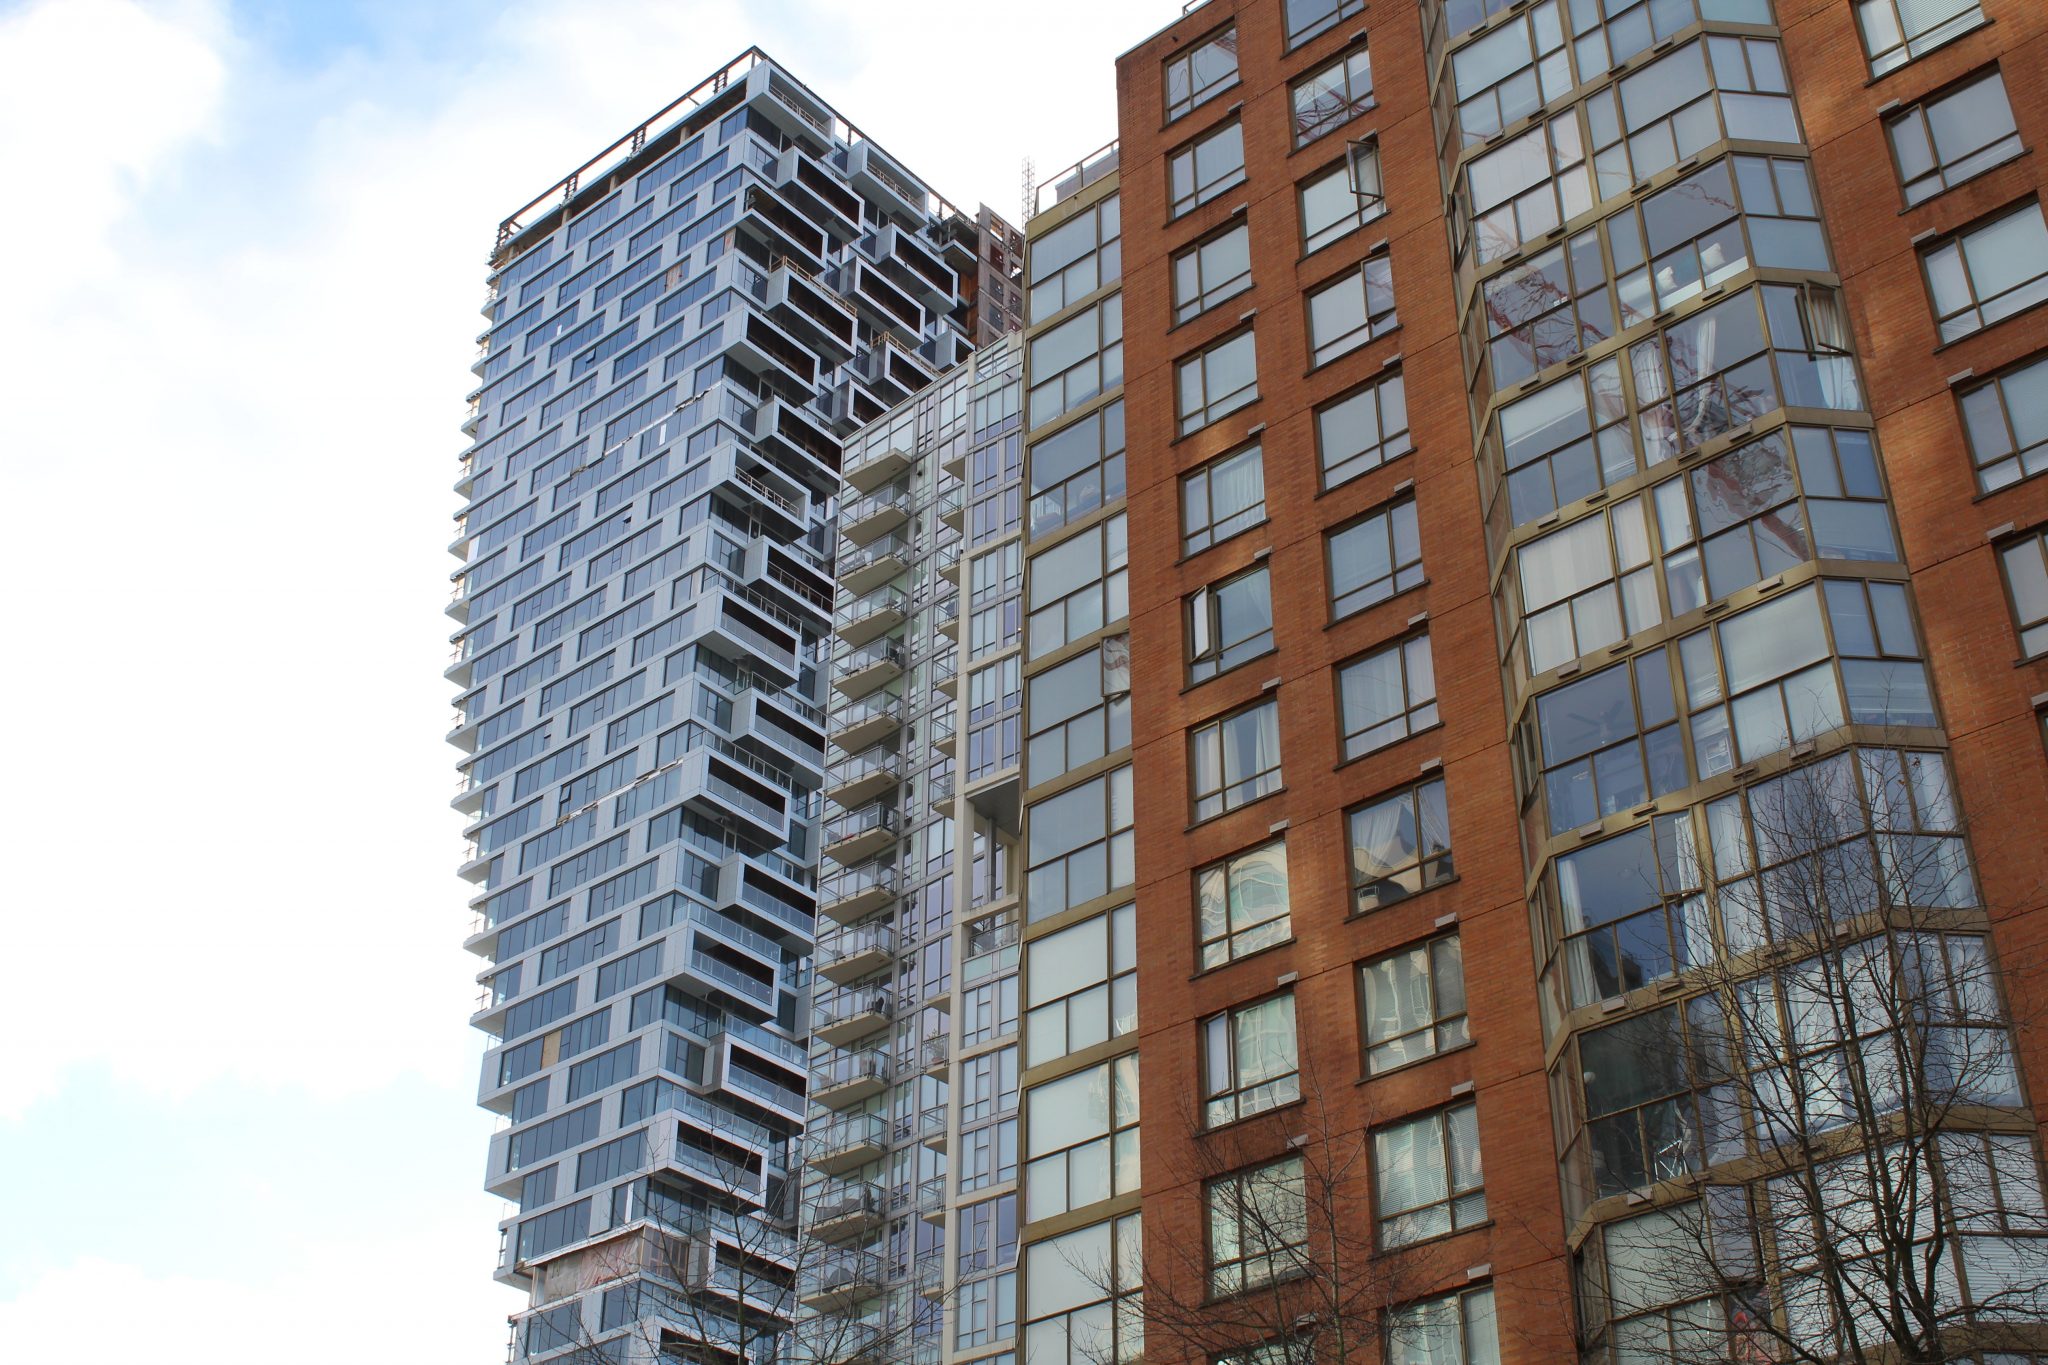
(2026, 579)
(1205, 168)
(2006, 423)
(1236, 759)
(1400, 845)
(1076, 258)
(1217, 381)
(1331, 96)
(1077, 360)
(1457, 1329)
(1362, 430)
(1525, 187)
(1351, 310)
(1241, 904)
(1386, 696)
(1084, 1296)
(1610, 742)
(1201, 73)
(1211, 271)
(1249, 1061)
(1427, 1180)
(1988, 273)
(1081, 1138)
(1081, 985)
(1078, 586)
(1222, 498)
(1077, 469)
(1414, 1004)
(1586, 585)
(1081, 844)
(1080, 710)
(1258, 1226)
(1510, 73)
(1942, 142)
(1307, 18)
(1374, 558)
(1332, 204)
(1632, 910)
(1896, 31)
(1229, 623)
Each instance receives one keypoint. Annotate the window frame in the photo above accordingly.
(1439, 1124)
(1356, 104)
(1213, 409)
(1232, 791)
(1361, 212)
(1195, 99)
(1376, 389)
(1373, 278)
(2034, 539)
(1339, 11)
(1205, 297)
(1417, 713)
(1206, 654)
(1919, 114)
(1205, 473)
(1268, 1245)
(1434, 862)
(1911, 48)
(2033, 367)
(1954, 247)
(1403, 575)
(1238, 1091)
(1221, 876)
(1179, 205)
(1440, 1032)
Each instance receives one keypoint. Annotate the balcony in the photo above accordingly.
(848, 1079)
(847, 1016)
(726, 979)
(951, 507)
(859, 779)
(871, 614)
(856, 893)
(946, 676)
(936, 1052)
(931, 1200)
(846, 1208)
(839, 1279)
(881, 460)
(869, 567)
(928, 1276)
(858, 672)
(939, 794)
(861, 833)
(869, 518)
(931, 1128)
(850, 954)
(864, 724)
(846, 1144)
(946, 618)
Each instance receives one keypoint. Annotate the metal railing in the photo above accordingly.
(873, 816)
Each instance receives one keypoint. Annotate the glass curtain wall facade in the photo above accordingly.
(681, 336)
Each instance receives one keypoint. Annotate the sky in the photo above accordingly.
(246, 247)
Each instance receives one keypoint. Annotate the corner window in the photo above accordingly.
(1217, 381)
(1081, 1138)
(1374, 558)
(1258, 1226)
(1077, 469)
(1222, 498)
(1946, 140)
(1989, 272)
(1076, 258)
(1235, 760)
(1352, 310)
(1201, 73)
(1241, 904)
(2026, 580)
(1084, 1295)
(1229, 623)
(1414, 1004)
(1427, 1180)
(1897, 31)
(1078, 586)
(1387, 696)
(1211, 271)
(1330, 97)
(1249, 1062)
(1362, 430)
(1345, 197)
(1077, 360)
(1081, 986)
(1400, 845)
(1080, 710)
(1515, 70)
(1205, 168)
(1081, 844)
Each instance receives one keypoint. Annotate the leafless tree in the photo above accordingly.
(1825, 1124)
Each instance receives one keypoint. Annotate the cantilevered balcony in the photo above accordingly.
(885, 456)
(946, 618)
(862, 833)
(931, 1200)
(843, 1209)
(846, 1016)
(857, 672)
(861, 619)
(950, 507)
(832, 1339)
(931, 1128)
(939, 793)
(839, 1278)
(861, 777)
(928, 1276)
(872, 565)
(855, 893)
(874, 516)
(846, 1144)
(936, 1052)
(860, 726)
(848, 954)
(848, 1078)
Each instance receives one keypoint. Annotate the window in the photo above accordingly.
(1547, 310)
(1077, 469)
(1944, 141)
(1077, 360)
(1307, 18)
(1200, 74)
(2006, 424)
(1222, 498)
(1589, 584)
(1632, 910)
(1609, 741)
(1988, 273)
(1249, 1063)
(1386, 696)
(1241, 904)
(2026, 579)
(1211, 271)
(1217, 381)
(1080, 710)
(1081, 844)
(1076, 258)
(1374, 558)
(1205, 168)
(1332, 96)
(1897, 31)
(1081, 1138)
(1352, 310)
(1513, 71)
(1235, 760)
(1427, 1180)
(1362, 430)
(1078, 586)
(1258, 1226)
(993, 695)
(1084, 1296)
(1081, 986)
(1414, 1004)
(1667, 109)
(1457, 1329)
(1229, 623)
(1335, 202)
(1525, 187)
(1400, 845)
